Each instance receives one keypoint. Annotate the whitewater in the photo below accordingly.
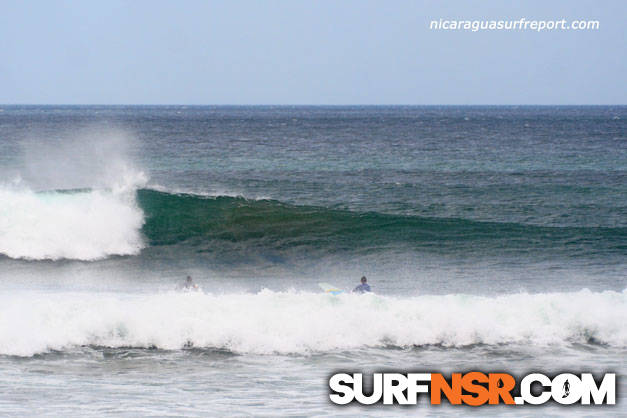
(305, 323)
(73, 200)
(78, 225)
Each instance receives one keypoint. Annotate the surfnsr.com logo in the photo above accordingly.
(473, 388)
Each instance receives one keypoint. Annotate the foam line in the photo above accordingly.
(293, 322)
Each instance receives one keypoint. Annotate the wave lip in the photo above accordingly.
(79, 224)
(302, 323)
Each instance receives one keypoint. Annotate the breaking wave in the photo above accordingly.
(290, 322)
(78, 224)
(73, 199)
(91, 224)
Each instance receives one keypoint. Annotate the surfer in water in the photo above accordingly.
(363, 287)
(188, 284)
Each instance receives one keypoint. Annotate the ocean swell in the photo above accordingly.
(210, 223)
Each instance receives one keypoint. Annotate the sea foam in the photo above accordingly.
(73, 199)
(79, 225)
(299, 322)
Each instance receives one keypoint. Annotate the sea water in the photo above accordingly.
(494, 239)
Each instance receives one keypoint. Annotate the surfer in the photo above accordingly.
(189, 284)
(566, 389)
(363, 287)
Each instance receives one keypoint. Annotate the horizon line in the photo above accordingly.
(307, 104)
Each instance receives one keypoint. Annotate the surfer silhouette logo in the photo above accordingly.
(566, 389)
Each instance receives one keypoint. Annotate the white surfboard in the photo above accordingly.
(329, 288)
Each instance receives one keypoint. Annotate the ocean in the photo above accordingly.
(494, 239)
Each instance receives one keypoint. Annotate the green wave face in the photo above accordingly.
(238, 224)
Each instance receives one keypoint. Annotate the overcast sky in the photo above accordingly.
(306, 52)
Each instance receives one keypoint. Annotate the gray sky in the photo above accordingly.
(307, 52)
